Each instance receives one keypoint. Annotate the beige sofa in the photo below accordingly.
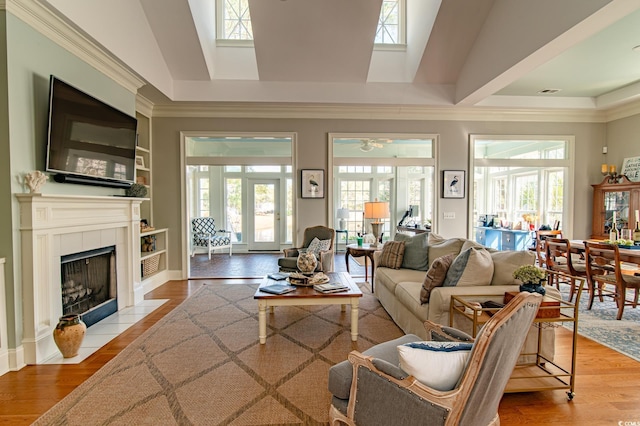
(398, 290)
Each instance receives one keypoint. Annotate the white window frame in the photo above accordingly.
(395, 162)
(221, 39)
(401, 43)
(568, 162)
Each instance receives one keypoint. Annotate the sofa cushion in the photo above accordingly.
(415, 251)
(392, 254)
(472, 267)
(450, 246)
(506, 262)
(408, 294)
(435, 276)
(391, 277)
(435, 364)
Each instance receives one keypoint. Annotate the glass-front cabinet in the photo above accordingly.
(619, 198)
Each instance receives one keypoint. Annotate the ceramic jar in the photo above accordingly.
(69, 334)
(306, 262)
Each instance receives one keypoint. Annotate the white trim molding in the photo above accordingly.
(45, 20)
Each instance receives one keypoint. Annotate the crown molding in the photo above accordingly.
(61, 31)
(144, 106)
(623, 111)
(370, 112)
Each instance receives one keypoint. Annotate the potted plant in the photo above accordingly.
(532, 277)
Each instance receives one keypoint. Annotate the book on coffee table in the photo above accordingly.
(330, 287)
(278, 276)
(277, 288)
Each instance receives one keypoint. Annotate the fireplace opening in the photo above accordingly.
(89, 284)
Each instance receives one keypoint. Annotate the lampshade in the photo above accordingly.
(343, 214)
(376, 210)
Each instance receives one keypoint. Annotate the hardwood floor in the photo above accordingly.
(606, 383)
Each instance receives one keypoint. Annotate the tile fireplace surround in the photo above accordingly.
(56, 225)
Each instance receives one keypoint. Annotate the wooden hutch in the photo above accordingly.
(614, 194)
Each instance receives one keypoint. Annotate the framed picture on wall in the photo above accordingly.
(453, 183)
(312, 183)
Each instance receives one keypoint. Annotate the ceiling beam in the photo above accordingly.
(520, 35)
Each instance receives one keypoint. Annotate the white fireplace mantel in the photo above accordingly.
(56, 225)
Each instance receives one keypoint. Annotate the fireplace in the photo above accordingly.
(89, 284)
(53, 226)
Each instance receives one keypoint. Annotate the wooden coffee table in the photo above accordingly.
(308, 296)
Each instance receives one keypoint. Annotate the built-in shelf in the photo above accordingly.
(153, 264)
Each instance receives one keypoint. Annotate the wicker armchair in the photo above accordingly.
(383, 394)
(325, 258)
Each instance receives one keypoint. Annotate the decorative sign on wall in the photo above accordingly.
(631, 168)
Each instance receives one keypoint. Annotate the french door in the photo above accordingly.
(264, 214)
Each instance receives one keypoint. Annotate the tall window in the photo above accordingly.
(391, 25)
(523, 181)
(398, 169)
(234, 20)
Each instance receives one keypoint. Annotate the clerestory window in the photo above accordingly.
(234, 23)
(391, 24)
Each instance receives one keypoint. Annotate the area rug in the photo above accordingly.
(202, 364)
(600, 324)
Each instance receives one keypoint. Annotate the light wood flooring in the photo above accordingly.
(606, 384)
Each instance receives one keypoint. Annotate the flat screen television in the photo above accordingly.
(89, 142)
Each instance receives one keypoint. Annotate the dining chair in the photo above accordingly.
(560, 258)
(604, 269)
(541, 253)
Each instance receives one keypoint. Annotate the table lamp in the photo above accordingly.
(342, 215)
(376, 210)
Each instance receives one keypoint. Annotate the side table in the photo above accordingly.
(543, 374)
(346, 238)
(358, 251)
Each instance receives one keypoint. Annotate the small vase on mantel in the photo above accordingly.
(69, 334)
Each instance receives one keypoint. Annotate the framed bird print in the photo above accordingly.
(453, 183)
(312, 183)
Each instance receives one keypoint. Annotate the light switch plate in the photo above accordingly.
(449, 215)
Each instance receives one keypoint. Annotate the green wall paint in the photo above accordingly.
(29, 59)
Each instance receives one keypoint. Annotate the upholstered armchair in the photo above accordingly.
(383, 393)
(325, 257)
(205, 236)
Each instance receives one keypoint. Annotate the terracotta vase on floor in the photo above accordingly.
(69, 334)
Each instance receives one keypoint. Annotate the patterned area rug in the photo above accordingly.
(600, 324)
(203, 364)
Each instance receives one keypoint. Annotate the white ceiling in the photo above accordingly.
(497, 53)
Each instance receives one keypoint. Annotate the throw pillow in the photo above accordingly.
(435, 238)
(435, 276)
(316, 246)
(444, 247)
(438, 365)
(506, 262)
(472, 267)
(392, 254)
(415, 251)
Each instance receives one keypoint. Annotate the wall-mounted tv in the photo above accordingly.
(89, 142)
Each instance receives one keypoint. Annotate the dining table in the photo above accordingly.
(627, 255)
